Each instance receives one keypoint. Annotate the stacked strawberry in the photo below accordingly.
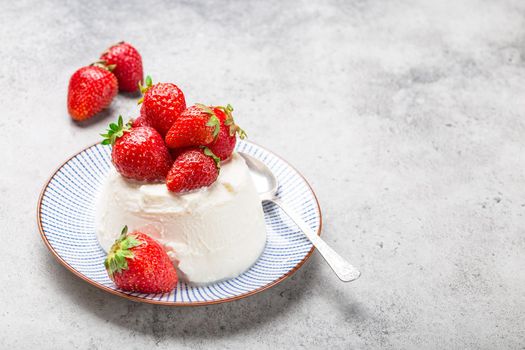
(196, 140)
(201, 125)
(192, 169)
(225, 142)
(161, 103)
(92, 88)
(138, 153)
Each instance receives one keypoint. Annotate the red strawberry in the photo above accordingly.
(138, 153)
(91, 89)
(196, 126)
(193, 169)
(128, 65)
(162, 103)
(140, 121)
(225, 143)
(176, 152)
(138, 263)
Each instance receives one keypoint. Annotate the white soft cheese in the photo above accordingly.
(213, 234)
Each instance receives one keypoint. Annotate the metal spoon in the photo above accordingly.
(266, 185)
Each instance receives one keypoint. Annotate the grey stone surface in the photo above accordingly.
(407, 118)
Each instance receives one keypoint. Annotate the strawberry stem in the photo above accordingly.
(216, 124)
(104, 65)
(205, 108)
(115, 131)
(213, 121)
(208, 152)
(116, 260)
(234, 128)
(144, 88)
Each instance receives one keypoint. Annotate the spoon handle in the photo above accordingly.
(342, 268)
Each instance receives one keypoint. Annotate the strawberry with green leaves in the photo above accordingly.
(162, 103)
(196, 126)
(138, 153)
(225, 142)
(90, 90)
(138, 263)
(193, 169)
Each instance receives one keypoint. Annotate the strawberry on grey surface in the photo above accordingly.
(90, 90)
(128, 65)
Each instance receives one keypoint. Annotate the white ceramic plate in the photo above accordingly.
(66, 219)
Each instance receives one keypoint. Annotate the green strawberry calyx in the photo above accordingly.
(115, 131)
(104, 65)
(234, 128)
(208, 152)
(144, 88)
(116, 260)
(213, 122)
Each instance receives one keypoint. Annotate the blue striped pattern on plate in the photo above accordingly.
(67, 219)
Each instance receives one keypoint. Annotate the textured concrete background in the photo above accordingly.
(406, 117)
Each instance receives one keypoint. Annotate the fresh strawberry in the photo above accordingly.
(162, 104)
(176, 152)
(196, 126)
(138, 263)
(193, 169)
(128, 65)
(225, 143)
(140, 121)
(138, 153)
(91, 89)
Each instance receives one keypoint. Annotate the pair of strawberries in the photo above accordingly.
(92, 88)
(183, 146)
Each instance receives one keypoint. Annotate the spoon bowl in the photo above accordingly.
(265, 182)
(267, 185)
